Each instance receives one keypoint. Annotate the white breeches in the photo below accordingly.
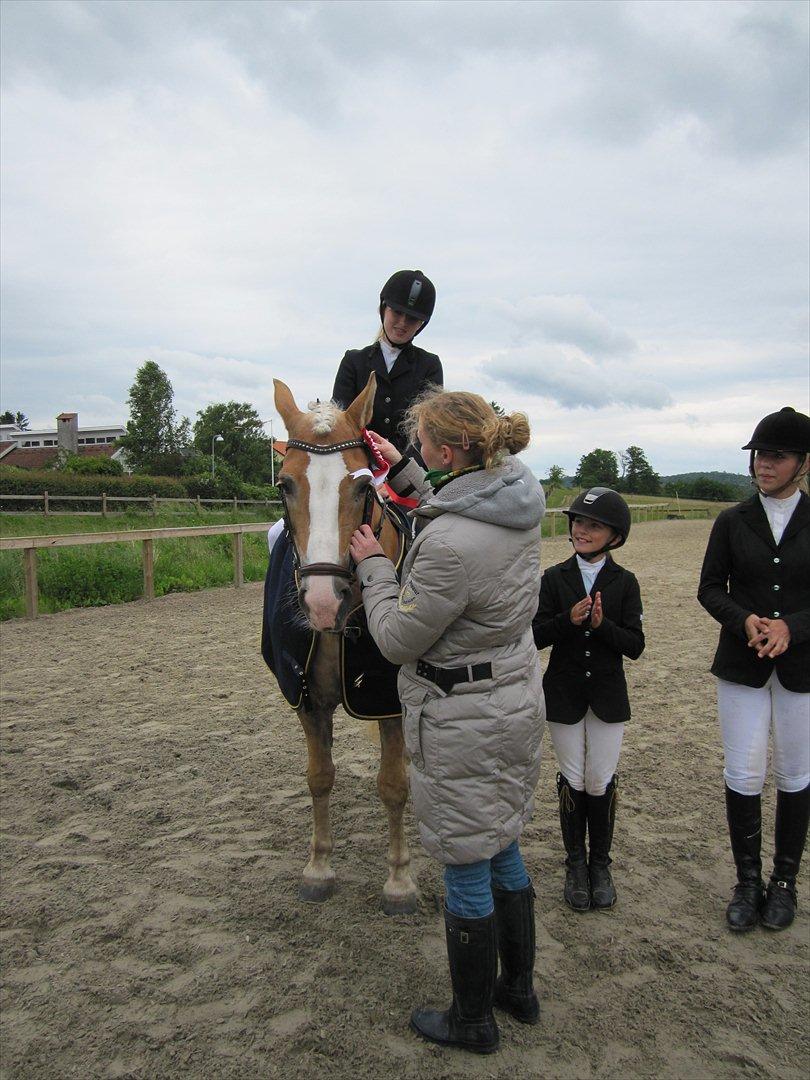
(747, 716)
(587, 752)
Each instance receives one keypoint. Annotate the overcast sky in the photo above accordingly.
(611, 198)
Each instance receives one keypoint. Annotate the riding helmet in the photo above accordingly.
(786, 430)
(410, 292)
(604, 505)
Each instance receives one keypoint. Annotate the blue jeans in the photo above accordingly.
(468, 888)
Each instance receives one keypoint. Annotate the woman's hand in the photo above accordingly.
(755, 628)
(363, 543)
(386, 448)
(772, 639)
(580, 611)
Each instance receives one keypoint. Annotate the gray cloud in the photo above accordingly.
(572, 381)
(567, 319)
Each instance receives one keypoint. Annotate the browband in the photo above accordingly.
(331, 448)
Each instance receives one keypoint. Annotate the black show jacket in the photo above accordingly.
(413, 370)
(585, 668)
(745, 572)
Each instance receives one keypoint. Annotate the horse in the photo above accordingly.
(327, 492)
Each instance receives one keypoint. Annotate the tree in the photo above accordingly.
(18, 418)
(154, 441)
(638, 476)
(556, 478)
(245, 447)
(599, 468)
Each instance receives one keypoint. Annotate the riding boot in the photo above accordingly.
(792, 811)
(514, 920)
(601, 819)
(472, 954)
(577, 892)
(744, 814)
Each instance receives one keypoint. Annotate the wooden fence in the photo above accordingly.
(107, 502)
(29, 545)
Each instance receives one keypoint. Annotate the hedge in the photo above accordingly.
(15, 481)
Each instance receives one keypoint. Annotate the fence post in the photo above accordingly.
(553, 524)
(148, 569)
(238, 560)
(104, 504)
(154, 505)
(31, 587)
(47, 510)
(235, 508)
(199, 505)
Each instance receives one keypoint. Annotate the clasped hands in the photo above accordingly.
(591, 605)
(770, 637)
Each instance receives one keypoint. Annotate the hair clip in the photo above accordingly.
(465, 440)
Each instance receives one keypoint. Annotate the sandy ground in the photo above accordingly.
(155, 822)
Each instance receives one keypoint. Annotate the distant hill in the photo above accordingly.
(739, 481)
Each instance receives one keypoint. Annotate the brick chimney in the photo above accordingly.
(67, 432)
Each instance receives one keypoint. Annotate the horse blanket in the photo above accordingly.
(368, 680)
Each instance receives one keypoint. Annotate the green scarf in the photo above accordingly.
(437, 478)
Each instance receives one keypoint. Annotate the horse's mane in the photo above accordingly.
(324, 416)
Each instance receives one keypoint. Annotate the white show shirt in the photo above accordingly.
(390, 354)
(589, 570)
(779, 512)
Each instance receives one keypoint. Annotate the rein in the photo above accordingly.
(327, 569)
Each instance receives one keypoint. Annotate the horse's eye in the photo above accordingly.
(285, 484)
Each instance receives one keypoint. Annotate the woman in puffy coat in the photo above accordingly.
(460, 626)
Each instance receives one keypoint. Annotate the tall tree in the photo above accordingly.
(245, 447)
(637, 473)
(18, 418)
(154, 441)
(599, 468)
(556, 478)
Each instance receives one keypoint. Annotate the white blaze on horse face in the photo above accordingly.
(324, 474)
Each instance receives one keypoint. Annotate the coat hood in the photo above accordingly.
(509, 495)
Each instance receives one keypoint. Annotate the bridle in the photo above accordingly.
(328, 569)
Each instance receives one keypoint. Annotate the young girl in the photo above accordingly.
(403, 371)
(756, 582)
(460, 626)
(590, 613)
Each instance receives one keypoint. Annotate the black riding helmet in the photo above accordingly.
(410, 292)
(786, 431)
(604, 505)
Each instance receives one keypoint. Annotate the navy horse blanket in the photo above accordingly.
(368, 680)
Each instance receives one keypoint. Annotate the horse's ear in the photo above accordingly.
(285, 403)
(360, 410)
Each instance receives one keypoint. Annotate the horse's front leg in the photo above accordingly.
(399, 891)
(318, 880)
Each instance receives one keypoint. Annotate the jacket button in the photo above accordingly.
(587, 674)
(387, 421)
(776, 588)
(776, 614)
(587, 633)
(587, 653)
(388, 401)
(777, 559)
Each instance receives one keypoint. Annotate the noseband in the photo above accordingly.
(327, 569)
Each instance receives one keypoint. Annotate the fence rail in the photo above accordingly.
(29, 545)
(154, 501)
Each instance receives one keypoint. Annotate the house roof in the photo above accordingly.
(37, 457)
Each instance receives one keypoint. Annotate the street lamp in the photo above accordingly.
(214, 439)
(272, 458)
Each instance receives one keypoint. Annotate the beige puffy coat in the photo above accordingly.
(469, 590)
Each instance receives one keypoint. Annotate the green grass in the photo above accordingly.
(112, 573)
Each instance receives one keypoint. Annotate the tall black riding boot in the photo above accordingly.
(514, 920)
(577, 892)
(472, 953)
(601, 819)
(792, 812)
(744, 814)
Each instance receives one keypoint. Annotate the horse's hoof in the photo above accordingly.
(315, 892)
(399, 905)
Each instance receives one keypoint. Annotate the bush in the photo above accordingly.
(14, 481)
(92, 466)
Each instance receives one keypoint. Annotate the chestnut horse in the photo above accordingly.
(325, 486)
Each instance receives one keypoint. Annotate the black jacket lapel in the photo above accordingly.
(573, 578)
(753, 514)
(799, 519)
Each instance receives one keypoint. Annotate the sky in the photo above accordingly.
(611, 199)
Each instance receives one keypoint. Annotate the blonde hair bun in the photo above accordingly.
(467, 421)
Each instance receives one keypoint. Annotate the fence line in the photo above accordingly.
(29, 545)
(46, 498)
